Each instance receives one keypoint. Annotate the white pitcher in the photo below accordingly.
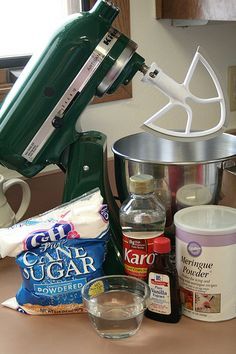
(7, 215)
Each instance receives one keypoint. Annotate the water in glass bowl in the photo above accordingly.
(117, 313)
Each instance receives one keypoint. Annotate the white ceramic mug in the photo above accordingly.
(7, 215)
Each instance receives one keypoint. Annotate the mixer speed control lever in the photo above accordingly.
(57, 121)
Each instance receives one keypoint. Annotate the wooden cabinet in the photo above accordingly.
(216, 10)
(4, 86)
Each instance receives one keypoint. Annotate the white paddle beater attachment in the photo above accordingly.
(180, 96)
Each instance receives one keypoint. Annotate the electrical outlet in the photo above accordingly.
(232, 87)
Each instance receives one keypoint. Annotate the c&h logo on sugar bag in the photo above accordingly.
(194, 249)
(55, 233)
(104, 213)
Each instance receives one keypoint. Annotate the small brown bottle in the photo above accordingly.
(165, 304)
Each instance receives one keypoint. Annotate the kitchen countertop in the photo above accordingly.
(70, 334)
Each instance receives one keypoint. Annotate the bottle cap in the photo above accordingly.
(141, 184)
(161, 245)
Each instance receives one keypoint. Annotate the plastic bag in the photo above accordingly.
(57, 253)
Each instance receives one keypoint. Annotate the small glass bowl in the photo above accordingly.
(116, 304)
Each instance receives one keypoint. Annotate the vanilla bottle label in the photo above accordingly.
(160, 301)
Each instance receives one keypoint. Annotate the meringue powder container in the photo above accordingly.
(206, 261)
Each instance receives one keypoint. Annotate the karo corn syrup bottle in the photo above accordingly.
(142, 219)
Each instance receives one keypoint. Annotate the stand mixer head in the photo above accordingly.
(86, 57)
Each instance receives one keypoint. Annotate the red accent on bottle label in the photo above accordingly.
(138, 256)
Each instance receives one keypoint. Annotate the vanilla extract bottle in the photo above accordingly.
(164, 304)
(142, 219)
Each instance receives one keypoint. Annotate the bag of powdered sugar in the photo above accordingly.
(57, 253)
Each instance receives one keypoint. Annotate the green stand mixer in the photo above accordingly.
(86, 57)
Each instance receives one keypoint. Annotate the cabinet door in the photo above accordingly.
(222, 10)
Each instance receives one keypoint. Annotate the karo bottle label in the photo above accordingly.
(138, 256)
